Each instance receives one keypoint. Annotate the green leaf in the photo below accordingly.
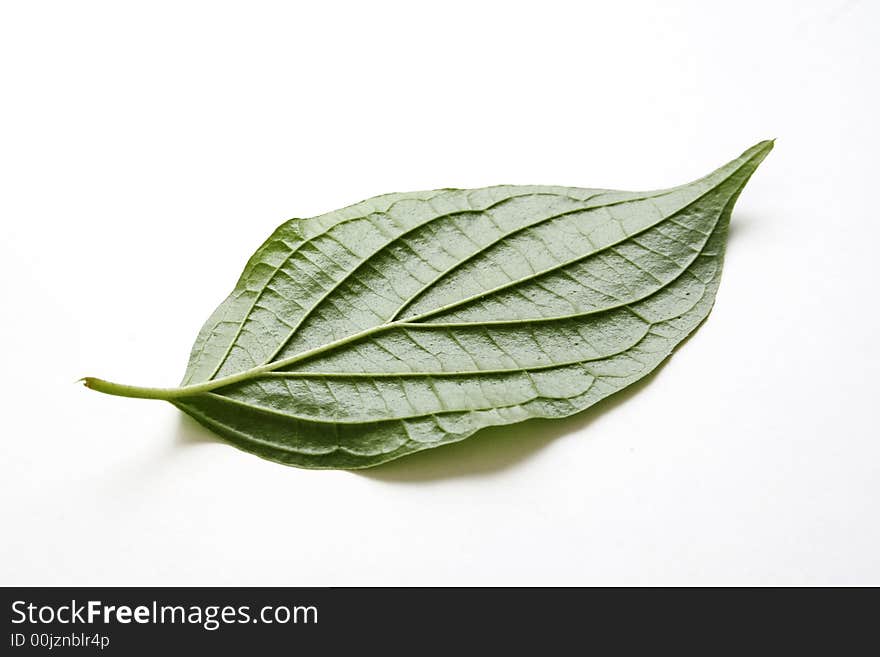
(409, 321)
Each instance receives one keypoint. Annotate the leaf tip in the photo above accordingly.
(756, 154)
(764, 146)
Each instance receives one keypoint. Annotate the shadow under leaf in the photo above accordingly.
(191, 434)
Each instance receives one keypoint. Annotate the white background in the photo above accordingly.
(147, 149)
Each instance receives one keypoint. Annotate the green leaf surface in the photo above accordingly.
(409, 321)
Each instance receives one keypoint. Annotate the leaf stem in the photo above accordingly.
(138, 392)
(167, 394)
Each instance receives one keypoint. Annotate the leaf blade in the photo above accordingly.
(375, 365)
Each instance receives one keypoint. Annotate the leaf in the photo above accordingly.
(409, 321)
